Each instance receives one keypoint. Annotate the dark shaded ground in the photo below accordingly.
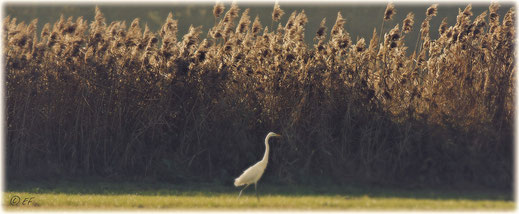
(208, 189)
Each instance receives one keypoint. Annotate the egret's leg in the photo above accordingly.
(243, 189)
(256, 190)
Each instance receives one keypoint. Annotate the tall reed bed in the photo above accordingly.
(118, 100)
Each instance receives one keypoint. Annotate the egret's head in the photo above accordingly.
(272, 134)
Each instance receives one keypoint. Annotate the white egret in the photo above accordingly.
(254, 173)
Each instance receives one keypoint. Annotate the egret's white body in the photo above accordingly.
(254, 173)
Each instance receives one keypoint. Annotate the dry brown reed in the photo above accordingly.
(111, 100)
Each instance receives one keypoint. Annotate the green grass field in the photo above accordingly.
(131, 196)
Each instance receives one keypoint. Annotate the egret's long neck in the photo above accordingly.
(266, 155)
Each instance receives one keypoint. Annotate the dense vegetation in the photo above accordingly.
(103, 195)
(110, 100)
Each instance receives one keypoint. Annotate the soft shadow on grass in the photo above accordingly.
(215, 190)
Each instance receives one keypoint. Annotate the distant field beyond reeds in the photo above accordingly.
(117, 100)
